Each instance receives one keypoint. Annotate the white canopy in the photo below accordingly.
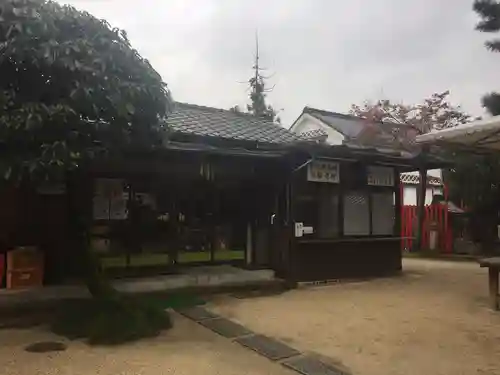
(476, 135)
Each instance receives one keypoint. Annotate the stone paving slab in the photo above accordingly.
(307, 365)
(225, 327)
(197, 313)
(268, 347)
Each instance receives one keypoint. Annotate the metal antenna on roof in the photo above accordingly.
(257, 68)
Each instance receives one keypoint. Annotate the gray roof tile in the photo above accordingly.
(359, 131)
(214, 122)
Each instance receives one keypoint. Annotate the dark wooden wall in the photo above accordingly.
(336, 259)
(344, 256)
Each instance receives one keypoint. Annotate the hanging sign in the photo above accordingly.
(380, 176)
(323, 171)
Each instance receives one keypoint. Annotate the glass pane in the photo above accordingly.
(356, 214)
(328, 214)
(383, 212)
(306, 209)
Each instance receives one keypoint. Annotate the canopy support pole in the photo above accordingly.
(422, 188)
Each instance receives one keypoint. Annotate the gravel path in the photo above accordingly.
(432, 320)
(187, 349)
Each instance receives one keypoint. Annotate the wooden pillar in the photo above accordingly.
(398, 203)
(493, 287)
(422, 187)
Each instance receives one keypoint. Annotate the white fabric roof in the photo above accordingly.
(479, 135)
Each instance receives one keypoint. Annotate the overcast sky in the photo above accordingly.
(326, 54)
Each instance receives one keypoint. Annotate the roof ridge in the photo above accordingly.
(309, 110)
(215, 109)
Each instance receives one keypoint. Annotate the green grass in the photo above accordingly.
(194, 257)
(229, 255)
(144, 260)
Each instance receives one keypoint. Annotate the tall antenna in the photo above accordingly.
(256, 66)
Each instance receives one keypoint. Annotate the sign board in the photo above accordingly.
(380, 176)
(323, 171)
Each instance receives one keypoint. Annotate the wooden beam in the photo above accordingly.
(422, 187)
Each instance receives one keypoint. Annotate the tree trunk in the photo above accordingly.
(79, 192)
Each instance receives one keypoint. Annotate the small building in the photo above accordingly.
(231, 188)
(337, 129)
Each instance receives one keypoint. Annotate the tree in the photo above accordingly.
(475, 181)
(72, 88)
(489, 12)
(435, 112)
(258, 106)
(258, 91)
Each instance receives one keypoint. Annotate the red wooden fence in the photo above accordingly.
(434, 213)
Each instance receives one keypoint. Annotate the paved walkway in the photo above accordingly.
(268, 347)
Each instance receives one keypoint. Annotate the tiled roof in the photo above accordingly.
(414, 179)
(361, 132)
(214, 122)
(318, 135)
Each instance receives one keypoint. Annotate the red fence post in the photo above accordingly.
(437, 213)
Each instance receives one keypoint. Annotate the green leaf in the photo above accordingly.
(90, 79)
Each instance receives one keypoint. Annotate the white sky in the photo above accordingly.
(322, 53)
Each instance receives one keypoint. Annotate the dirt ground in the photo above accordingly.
(187, 349)
(433, 320)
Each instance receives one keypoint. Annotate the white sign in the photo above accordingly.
(323, 171)
(299, 229)
(380, 176)
(307, 230)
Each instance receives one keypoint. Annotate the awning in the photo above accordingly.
(481, 135)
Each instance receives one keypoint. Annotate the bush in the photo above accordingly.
(110, 321)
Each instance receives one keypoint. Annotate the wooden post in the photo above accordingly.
(493, 286)
(422, 188)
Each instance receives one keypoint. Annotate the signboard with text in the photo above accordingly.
(323, 171)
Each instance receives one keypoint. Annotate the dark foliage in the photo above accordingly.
(71, 87)
(111, 321)
(489, 12)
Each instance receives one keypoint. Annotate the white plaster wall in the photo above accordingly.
(410, 194)
(307, 123)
